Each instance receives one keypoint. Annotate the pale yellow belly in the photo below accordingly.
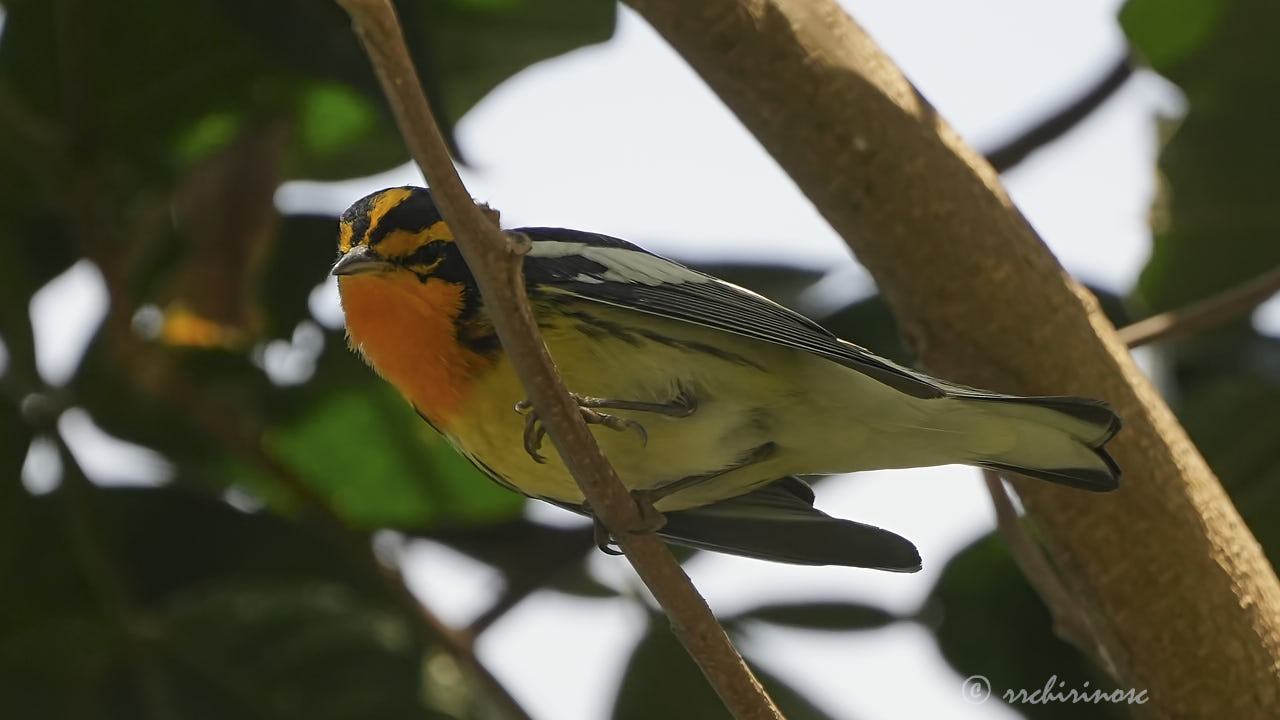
(817, 416)
(726, 426)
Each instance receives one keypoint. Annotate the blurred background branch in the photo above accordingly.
(1016, 149)
(1228, 305)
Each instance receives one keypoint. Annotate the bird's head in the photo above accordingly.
(404, 287)
(393, 232)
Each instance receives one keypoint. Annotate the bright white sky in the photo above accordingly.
(624, 139)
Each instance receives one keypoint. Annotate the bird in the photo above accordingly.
(711, 402)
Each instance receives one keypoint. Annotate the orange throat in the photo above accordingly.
(404, 328)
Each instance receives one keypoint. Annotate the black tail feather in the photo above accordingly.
(1091, 479)
(780, 524)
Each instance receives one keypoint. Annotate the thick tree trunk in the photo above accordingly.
(1185, 603)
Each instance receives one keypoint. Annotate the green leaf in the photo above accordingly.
(153, 102)
(333, 116)
(1166, 31)
(1216, 228)
(304, 250)
(524, 550)
(993, 624)
(206, 135)
(1217, 225)
(662, 681)
(290, 647)
(123, 601)
(832, 615)
(1229, 402)
(467, 48)
(379, 465)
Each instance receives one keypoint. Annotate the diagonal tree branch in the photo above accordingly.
(495, 261)
(1190, 604)
(1072, 621)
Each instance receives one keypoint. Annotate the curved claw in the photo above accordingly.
(533, 432)
(604, 542)
(644, 436)
(651, 521)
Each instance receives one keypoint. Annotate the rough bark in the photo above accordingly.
(1187, 605)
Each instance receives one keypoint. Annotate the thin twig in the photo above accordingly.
(1059, 123)
(495, 262)
(1206, 313)
(1071, 620)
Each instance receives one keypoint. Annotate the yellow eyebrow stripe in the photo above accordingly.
(385, 201)
(402, 243)
(399, 244)
(344, 236)
(440, 231)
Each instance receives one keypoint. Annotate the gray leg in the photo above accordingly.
(683, 406)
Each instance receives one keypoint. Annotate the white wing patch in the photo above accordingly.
(621, 264)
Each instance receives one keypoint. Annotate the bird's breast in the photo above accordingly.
(405, 329)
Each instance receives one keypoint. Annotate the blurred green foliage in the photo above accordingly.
(150, 137)
(1217, 227)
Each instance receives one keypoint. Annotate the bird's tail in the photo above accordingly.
(1059, 439)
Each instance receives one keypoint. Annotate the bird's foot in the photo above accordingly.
(683, 406)
(651, 521)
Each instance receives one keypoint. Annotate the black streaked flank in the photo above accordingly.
(591, 331)
(695, 346)
(608, 327)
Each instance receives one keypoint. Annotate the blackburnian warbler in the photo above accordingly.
(707, 398)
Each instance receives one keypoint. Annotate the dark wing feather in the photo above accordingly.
(778, 522)
(703, 300)
(772, 523)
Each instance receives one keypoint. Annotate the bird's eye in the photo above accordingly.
(424, 260)
(425, 255)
